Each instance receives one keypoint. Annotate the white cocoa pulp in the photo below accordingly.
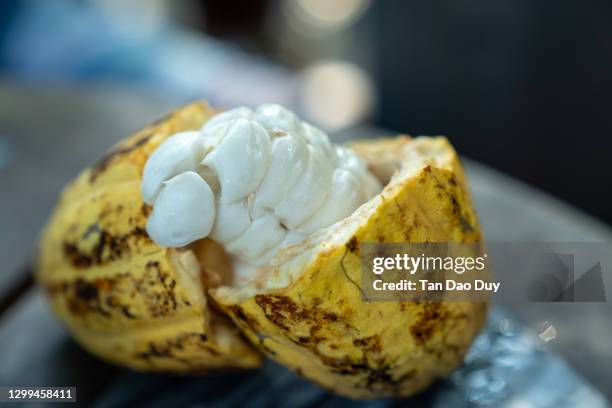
(254, 181)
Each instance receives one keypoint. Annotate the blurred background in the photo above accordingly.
(524, 86)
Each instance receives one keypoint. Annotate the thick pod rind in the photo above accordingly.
(123, 297)
(320, 327)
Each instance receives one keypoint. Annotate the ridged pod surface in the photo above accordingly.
(123, 297)
(319, 325)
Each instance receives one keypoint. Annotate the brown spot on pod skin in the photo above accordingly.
(280, 310)
(168, 349)
(371, 367)
(145, 210)
(84, 297)
(76, 258)
(265, 348)
(425, 174)
(456, 208)
(101, 165)
(107, 247)
(454, 204)
(370, 344)
(86, 291)
(431, 318)
(353, 245)
(244, 319)
(157, 287)
(465, 225)
(154, 291)
(127, 313)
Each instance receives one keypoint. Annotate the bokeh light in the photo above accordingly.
(336, 94)
(325, 15)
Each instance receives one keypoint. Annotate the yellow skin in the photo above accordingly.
(123, 297)
(320, 327)
(139, 305)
